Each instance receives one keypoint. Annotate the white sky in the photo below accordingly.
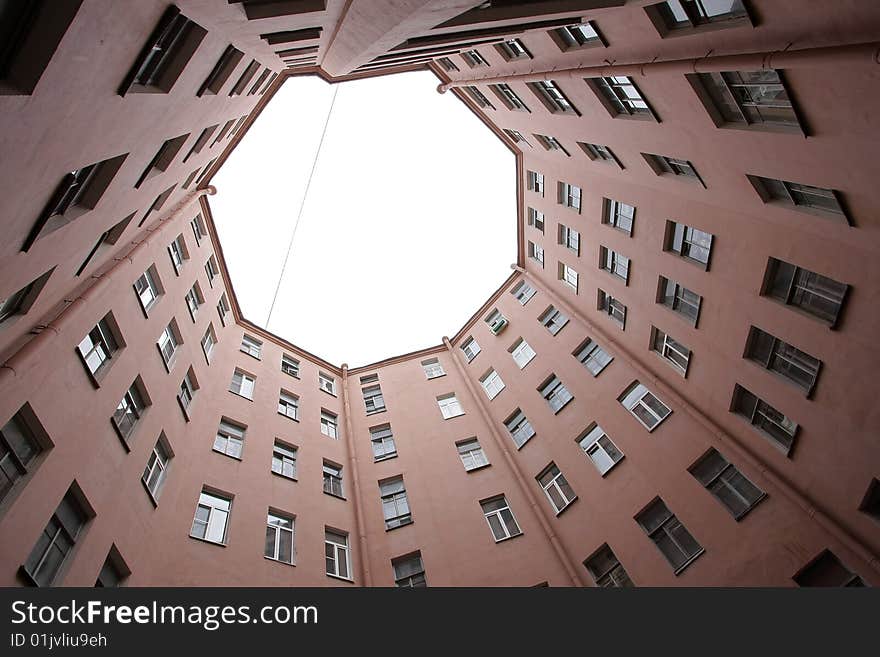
(409, 224)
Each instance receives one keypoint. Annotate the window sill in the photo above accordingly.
(451, 417)
(294, 419)
(340, 577)
(295, 376)
(749, 510)
(507, 538)
(237, 394)
(438, 376)
(377, 412)
(687, 563)
(403, 524)
(559, 410)
(278, 561)
(525, 442)
(205, 540)
(338, 497)
(386, 457)
(150, 494)
(235, 458)
(479, 467)
(566, 507)
(283, 476)
(605, 474)
(247, 353)
(327, 392)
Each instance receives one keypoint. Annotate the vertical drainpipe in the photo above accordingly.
(539, 509)
(363, 560)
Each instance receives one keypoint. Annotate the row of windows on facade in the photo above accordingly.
(213, 514)
(671, 16)
(782, 359)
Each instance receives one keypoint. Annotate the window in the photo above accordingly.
(536, 219)
(549, 93)
(523, 292)
(20, 302)
(433, 368)
(599, 153)
(508, 97)
(569, 195)
(327, 383)
(678, 298)
(99, 345)
(187, 391)
(374, 402)
(395, 506)
(870, 503)
(157, 467)
(512, 49)
(220, 73)
(288, 405)
(684, 16)
(114, 571)
(449, 406)
(30, 33)
(198, 228)
(251, 346)
(242, 384)
(194, 299)
(208, 342)
(554, 320)
(519, 427)
(165, 55)
(621, 97)
(107, 239)
(129, 410)
(290, 366)
(447, 64)
(212, 518)
(600, 448)
(613, 308)
(158, 202)
(22, 440)
(329, 424)
(496, 321)
(556, 488)
(479, 97)
(471, 453)
(500, 518)
(671, 537)
(551, 144)
(746, 98)
(569, 238)
(517, 137)
(259, 81)
(576, 37)
(473, 59)
(522, 353)
(58, 538)
(246, 77)
(284, 460)
(818, 295)
(470, 349)
(620, 215)
(771, 423)
(556, 394)
(223, 308)
(664, 165)
(807, 198)
(827, 570)
(535, 182)
(229, 439)
(279, 537)
(212, 271)
(409, 571)
(336, 554)
(536, 253)
(168, 343)
(673, 351)
(644, 406)
(148, 288)
(726, 483)
(163, 159)
(592, 356)
(332, 479)
(568, 276)
(492, 384)
(78, 192)
(382, 441)
(614, 263)
(794, 365)
(178, 252)
(189, 179)
(691, 243)
(606, 570)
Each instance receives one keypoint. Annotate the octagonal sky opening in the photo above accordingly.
(409, 222)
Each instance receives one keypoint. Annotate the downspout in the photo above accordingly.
(363, 561)
(830, 56)
(784, 487)
(539, 509)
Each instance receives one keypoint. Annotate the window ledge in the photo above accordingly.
(377, 412)
(238, 394)
(340, 577)
(508, 538)
(387, 457)
(338, 497)
(283, 476)
(278, 561)
(247, 353)
(205, 540)
(479, 467)
(404, 524)
(687, 563)
(749, 510)
(605, 474)
(230, 456)
(326, 392)
(567, 506)
(294, 419)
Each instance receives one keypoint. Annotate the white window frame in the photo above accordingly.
(246, 386)
(219, 511)
(327, 383)
(278, 530)
(251, 346)
(492, 384)
(522, 353)
(449, 404)
(230, 434)
(287, 401)
(471, 349)
(433, 369)
(471, 454)
(634, 397)
(330, 424)
(556, 484)
(498, 513)
(591, 441)
(340, 554)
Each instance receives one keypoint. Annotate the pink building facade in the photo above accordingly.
(669, 389)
